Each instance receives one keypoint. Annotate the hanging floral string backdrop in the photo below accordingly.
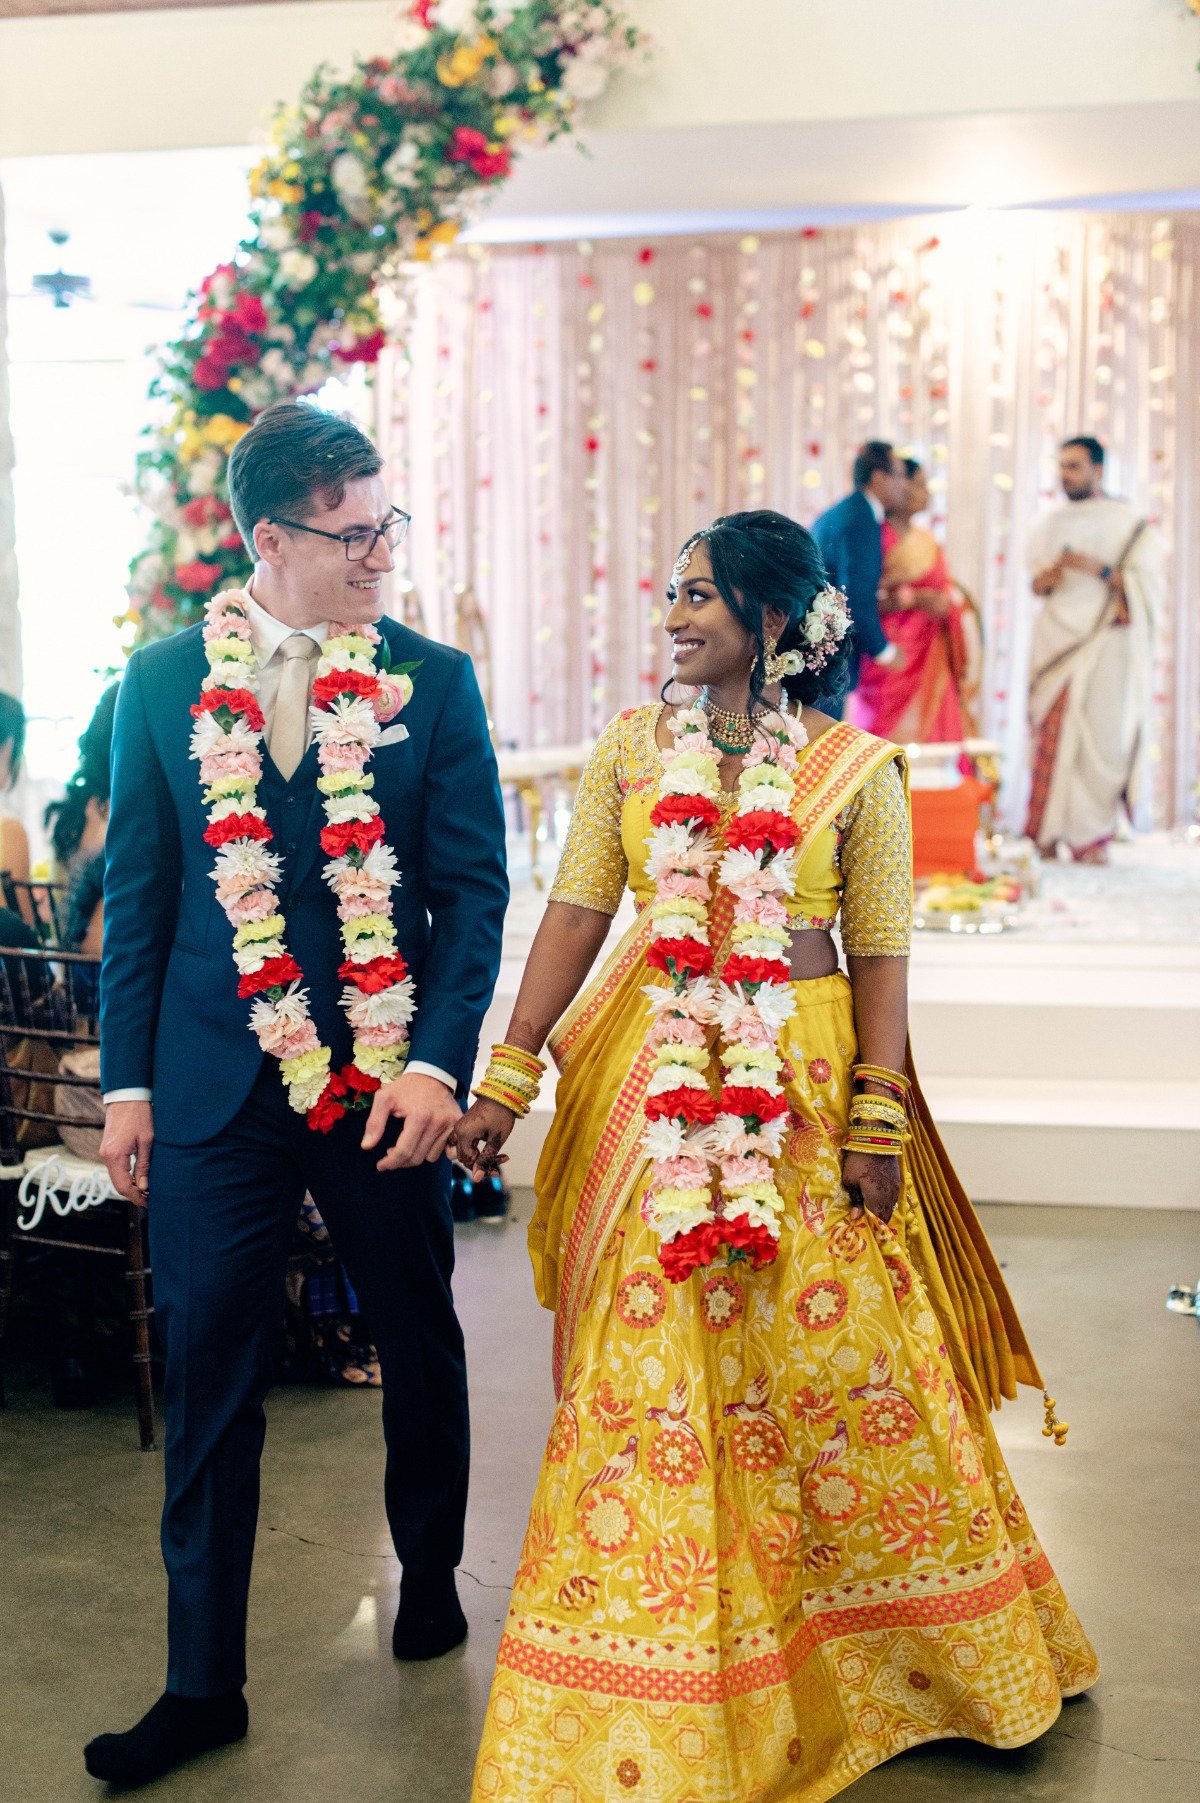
(366, 173)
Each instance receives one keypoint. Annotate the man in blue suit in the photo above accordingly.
(197, 1117)
(850, 535)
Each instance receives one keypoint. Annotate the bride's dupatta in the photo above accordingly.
(593, 1160)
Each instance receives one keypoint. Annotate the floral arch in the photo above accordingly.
(365, 175)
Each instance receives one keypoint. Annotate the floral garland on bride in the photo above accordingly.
(352, 696)
(740, 1131)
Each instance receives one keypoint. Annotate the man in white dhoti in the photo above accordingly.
(1098, 568)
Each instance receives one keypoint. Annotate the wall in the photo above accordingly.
(725, 67)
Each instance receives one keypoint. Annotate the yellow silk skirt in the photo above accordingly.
(773, 1541)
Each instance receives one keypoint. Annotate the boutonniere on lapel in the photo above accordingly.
(356, 691)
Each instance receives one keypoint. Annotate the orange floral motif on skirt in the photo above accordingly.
(774, 1541)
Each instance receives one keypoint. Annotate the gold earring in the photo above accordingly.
(773, 666)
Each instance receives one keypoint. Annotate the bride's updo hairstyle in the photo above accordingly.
(763, 561)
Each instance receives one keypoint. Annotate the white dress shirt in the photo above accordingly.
(890, 655)
(266, 636)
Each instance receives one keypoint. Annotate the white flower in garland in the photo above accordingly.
(740, 1131)
(378, 999)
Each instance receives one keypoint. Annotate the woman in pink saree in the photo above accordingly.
(924, 698)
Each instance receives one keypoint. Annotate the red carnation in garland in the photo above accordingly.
(238, 701)
(275, 973)
(338, 839)
(689, 957)
(758, 1244)
(358, 1083)
(690, 1251)
(747, 1101)
(681, 810)
(327, 1112)
(376, 975)
(237, 826)
(344, 682)
(694, 1105)
(752, 971)
(757, 831)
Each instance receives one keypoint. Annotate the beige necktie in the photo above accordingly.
(288, 737)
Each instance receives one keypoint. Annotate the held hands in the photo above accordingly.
(872, 1183)
(430, 1115)
(479, 1136)
(125, 1148)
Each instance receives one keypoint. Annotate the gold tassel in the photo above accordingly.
(1054, 1429)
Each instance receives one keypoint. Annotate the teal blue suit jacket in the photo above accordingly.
(171, 1017)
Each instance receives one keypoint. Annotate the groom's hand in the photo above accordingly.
(125, 1148)
(430, 1115)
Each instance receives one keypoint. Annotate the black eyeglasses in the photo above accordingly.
(359, 545)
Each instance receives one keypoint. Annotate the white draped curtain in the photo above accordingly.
(565, 415)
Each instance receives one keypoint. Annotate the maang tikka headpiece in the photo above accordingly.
(685, 556)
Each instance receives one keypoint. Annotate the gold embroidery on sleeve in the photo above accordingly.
(876, 864)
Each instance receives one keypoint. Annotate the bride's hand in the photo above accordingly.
(480, 1135)
(872, 1183)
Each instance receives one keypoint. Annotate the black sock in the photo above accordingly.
(174, 1730)
(430, 1620)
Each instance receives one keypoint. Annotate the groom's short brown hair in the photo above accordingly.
(293, 452)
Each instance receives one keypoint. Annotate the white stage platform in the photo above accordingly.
(1061, 1059)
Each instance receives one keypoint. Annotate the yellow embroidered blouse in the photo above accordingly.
(861, 863)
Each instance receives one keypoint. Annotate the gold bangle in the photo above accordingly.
(518, 1058)
(492, 1092)
(879, 1073)
(879, 1103)
(875, 1108)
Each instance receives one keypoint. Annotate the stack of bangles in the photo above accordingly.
(513, 1078)
(878, 1123)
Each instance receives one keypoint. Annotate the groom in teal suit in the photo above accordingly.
(198, 1124)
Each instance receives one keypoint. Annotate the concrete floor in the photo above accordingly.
(81, 1590)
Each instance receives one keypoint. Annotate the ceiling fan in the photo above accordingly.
(64, 289)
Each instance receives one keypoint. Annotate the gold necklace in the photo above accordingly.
(732, 733)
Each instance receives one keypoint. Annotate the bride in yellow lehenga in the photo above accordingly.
(773, 1541)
